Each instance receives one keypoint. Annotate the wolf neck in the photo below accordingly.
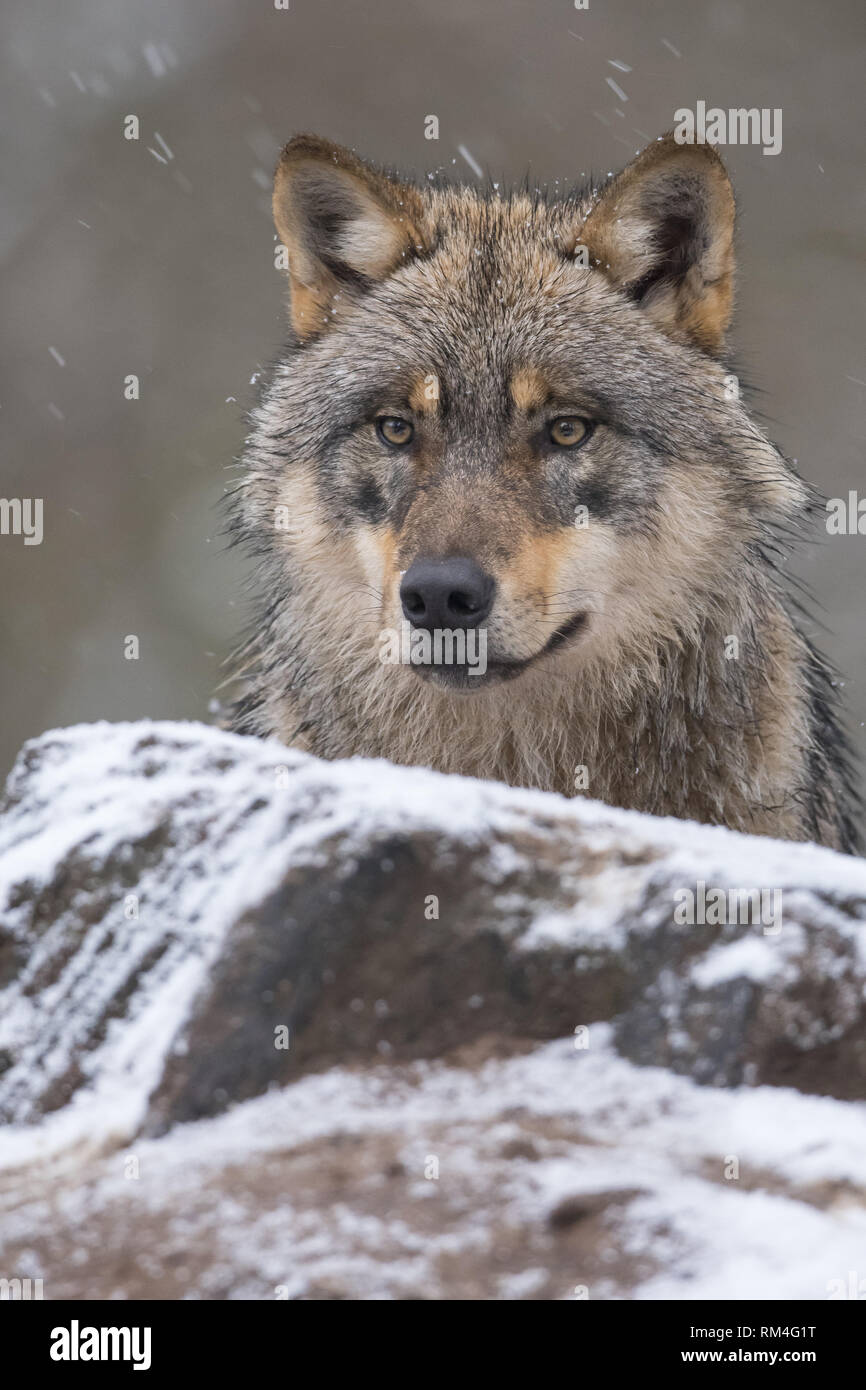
(685, 731)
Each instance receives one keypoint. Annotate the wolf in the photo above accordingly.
(512, 412)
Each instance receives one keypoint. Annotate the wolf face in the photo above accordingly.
(500, 401)
(509, 416)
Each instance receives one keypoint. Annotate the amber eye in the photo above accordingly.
(567, 431)
(394, 431)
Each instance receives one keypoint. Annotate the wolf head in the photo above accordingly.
(510, 413)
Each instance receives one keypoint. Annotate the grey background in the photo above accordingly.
(126, 264)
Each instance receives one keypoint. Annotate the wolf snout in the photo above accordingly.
(451, 592)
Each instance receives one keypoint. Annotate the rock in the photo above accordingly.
(282, 985)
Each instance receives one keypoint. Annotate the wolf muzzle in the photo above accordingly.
(447, 592)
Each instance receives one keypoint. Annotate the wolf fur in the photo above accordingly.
(474, 316)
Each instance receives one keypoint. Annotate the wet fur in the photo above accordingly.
(691, 507)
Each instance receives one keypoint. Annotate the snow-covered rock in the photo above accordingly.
(351, 1030)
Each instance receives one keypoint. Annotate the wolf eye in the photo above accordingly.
(394, 431)
(568, 431)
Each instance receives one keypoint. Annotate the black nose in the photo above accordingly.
(449, 593)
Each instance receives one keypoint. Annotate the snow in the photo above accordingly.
(752, 958)
(97, 786)
(659, 1141)
(654, 1145)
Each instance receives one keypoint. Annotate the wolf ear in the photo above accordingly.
(663, 232)
(344, 226)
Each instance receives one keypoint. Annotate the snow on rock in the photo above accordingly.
(550, 1174)
(252, 1003)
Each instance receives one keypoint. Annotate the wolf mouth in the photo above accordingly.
(457, 679)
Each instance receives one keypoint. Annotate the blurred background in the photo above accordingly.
(154, 257)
